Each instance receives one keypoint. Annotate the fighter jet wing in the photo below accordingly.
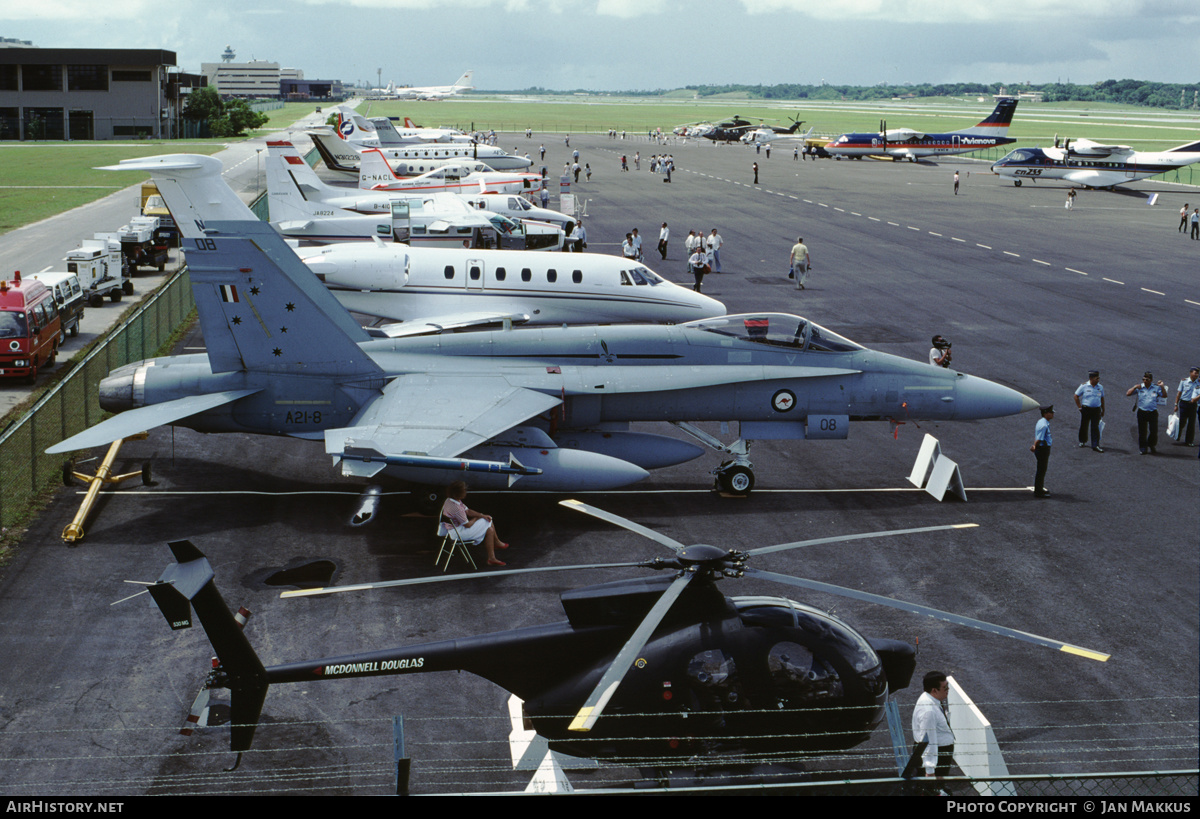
(436, 416)
(141, 419)
(426, 325)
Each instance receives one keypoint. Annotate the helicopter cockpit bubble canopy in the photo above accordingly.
(777, 330)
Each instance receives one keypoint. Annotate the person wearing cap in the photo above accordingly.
(1089, 398)
(1185, 405)
(1041, 450)
(1148, 394)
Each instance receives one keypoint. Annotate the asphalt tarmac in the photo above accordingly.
(92, 695)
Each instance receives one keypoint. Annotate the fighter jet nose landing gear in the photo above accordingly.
(734, 478)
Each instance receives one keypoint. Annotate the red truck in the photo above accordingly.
(30, 328)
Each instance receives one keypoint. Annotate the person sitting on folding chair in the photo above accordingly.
(472, 526)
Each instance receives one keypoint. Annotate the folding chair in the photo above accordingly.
(452, 541)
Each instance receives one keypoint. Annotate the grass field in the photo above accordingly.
(41, 179)
(1145, 128)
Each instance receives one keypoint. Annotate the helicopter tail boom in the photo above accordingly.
(188, 584)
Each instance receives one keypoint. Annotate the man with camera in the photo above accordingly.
(939, 355)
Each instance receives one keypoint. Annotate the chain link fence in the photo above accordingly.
(72, 405)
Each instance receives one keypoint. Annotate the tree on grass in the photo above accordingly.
(225, 118)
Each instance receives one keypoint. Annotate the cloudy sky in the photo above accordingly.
(646, 44)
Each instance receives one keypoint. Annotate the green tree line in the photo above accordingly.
(1129, 92)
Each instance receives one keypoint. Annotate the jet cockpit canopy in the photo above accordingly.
(777, 329)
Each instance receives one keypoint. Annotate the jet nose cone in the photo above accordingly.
(979, 398)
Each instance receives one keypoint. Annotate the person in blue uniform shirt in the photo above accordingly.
(1089, 398)
(1185, 405)
(1041, 451)
(1148, 394)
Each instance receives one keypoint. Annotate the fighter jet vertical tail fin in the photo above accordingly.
(192, 188)
(262, 310)
(997, 123)
(188, 584)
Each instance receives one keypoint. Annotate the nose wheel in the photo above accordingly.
(733, 478)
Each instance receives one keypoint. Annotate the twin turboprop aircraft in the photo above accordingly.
(531, 408)
(1088, 163)
(905, 143)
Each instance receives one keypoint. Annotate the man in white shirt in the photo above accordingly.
(663, 236)
(800, 262)
(930, 725)
(714, 243)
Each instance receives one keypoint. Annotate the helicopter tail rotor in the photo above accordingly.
(187, 585)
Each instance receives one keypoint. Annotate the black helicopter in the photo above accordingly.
(731, 130)
(676, 668)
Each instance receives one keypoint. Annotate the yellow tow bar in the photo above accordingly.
(74, 531)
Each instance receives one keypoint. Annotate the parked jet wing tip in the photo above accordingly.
(133, 421)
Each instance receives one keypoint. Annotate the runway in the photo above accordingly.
(92, 695)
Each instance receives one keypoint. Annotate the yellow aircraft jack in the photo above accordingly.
(74, 531)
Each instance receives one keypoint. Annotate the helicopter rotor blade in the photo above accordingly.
(593, 706)
(625, 523)
(780, 547)
(417, 581)
(913, 608)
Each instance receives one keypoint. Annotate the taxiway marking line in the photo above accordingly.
(939, 235)
(200, 493)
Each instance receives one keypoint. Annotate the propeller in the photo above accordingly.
(704, 563)
(709, 560)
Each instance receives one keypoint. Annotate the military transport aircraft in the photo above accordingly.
(905, 143)
(529, 408)
(1091, 164)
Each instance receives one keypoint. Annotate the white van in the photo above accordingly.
(68, 295)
